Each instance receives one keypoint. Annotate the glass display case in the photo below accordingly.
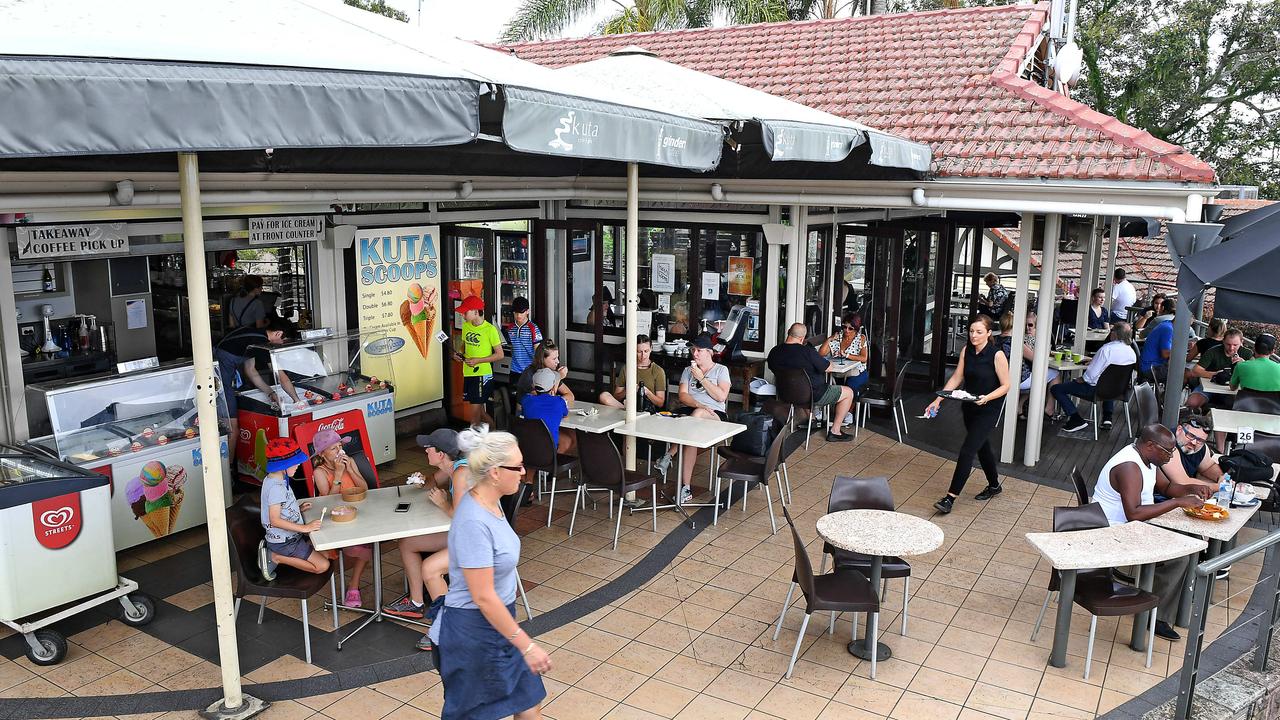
(85, 420)
(330, 368)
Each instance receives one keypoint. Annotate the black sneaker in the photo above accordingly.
(1106, 423)
(843, 437)
(1076, 425)
(989, 492)
(1166, 631)
(944, 505)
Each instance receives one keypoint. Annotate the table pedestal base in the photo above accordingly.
(858, 648)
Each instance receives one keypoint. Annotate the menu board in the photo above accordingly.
(398, 292)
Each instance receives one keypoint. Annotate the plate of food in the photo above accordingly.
(957, 395)
(1208, 511)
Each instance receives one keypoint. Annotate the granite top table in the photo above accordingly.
(1229, 421)
(1220, 530)
(1133, 543)
(841, 368)
(1212, 387)
(603, 420)
(1066, 365)
(878, 533)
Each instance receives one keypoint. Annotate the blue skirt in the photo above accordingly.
(485, 677)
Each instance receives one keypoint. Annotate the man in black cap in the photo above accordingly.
(704, 390)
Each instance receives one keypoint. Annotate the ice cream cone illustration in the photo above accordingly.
(157, 498)
(157, 521)
(176, 477)
(418, 315)
(176, 508)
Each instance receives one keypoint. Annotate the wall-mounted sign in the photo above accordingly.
(662, 277)
(740, 275)
(710, 286)
(66, 242)
(285, 230)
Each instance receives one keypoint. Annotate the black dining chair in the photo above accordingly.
(880, 395)
(1082, 489)
(747, 470)
(795, 390)
(602, 469)
(510, 506)
(836, 591)
(1096, 590)
(1144, 395)
(541, 457)
(853, 493)
(244, 531)
(1246, 402)
(1113, 386)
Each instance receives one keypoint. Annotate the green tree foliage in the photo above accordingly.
(380, 7)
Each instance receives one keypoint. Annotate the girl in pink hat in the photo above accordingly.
(335, 471)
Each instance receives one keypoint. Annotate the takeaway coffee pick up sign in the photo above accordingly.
(62, 242)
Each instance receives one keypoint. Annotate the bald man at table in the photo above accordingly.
(1126, 490)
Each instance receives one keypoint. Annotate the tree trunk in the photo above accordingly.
(879, 7)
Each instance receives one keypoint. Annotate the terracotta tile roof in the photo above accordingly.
(1142, 258)
(949, 78)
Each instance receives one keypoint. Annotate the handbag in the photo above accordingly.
(761, 431)
(1247, 466)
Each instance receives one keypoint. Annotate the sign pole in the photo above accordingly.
(234, 704)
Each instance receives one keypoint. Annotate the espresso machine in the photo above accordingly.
(727, 343)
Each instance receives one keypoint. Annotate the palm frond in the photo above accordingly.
(540, 19)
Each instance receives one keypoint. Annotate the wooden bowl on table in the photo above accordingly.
(342, 513)
(354, 495)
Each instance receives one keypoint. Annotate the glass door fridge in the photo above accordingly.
(471, 265)
(513, 272)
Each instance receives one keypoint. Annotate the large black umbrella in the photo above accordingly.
(1243, 268)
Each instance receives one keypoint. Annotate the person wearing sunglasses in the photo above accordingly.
(850, 343)
(1126, 490)
(1192, 461)
(489, 665)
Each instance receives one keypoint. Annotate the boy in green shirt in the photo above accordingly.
(481, 346)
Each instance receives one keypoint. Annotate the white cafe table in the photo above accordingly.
(1066, 365)
(686, 430)
(1229, 421)
(1214, 388)
(1217, 532)
(603, 420)
(1133, 543)
(880, 534)
(376, 522)
(840, 369)
(1095, 335)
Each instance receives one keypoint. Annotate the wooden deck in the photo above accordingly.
(1059, 451)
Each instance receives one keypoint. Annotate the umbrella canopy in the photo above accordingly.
(84, 77)
(788, 130)
(1242, 268)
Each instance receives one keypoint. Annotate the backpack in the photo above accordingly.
(761, 431)
(1247, 466)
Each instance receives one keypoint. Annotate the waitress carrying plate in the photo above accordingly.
(951, 395)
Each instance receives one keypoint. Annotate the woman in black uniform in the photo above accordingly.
(984, 371)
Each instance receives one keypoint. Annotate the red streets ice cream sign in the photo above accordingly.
(398, 293)
(57, 520)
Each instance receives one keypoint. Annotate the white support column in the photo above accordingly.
(1023, 292)
(633, 303)
(1044, 340)
(13, 417)
(773, 300)
(1084, 293)
(796, 258)
(1113, 249)
(234, 703)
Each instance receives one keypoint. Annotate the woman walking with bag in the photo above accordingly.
(490, 667)
(984, 371)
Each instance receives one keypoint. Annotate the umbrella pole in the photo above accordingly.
(234, 704)
(1177, 360)
(633, 303)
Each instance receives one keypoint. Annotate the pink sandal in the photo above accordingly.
(353, 599)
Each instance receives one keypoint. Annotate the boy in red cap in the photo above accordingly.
(285, 542)
(481, 346)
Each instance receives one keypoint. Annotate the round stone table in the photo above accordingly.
(878, 533)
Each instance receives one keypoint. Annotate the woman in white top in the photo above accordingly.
(850, 343)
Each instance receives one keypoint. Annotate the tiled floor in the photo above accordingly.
(695, 641)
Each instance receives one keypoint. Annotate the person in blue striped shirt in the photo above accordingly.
(523, 336)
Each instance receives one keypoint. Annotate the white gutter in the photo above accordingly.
(464, 191)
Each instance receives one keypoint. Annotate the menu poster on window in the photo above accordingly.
(662, 277)
(398, 295)
(741, 273)
(710, 286)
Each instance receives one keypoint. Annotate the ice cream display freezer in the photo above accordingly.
(56, 550)
(139, 431)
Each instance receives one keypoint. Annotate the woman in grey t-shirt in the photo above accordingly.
(490, 667)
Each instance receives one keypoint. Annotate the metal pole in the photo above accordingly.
(1085, 292)
(233, 702)
(633, 302)
(1177, 361)
(1109, 280)
(1044, 340)
(1022, 291)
